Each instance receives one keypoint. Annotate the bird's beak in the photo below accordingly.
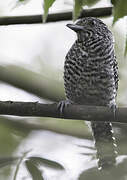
(75, 27)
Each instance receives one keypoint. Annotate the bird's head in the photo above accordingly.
(90, 27)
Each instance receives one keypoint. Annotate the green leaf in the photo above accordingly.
(120, 9)
(90, 2)
(77, 8)
(19, 3)
(113, 2)
(46, 163)
(46, 6)
(35, 173)
(78, 4)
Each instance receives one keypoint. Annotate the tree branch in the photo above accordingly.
(81, 112)
(32, 19)
(64, 127)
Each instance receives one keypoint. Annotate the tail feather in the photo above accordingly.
(105, 144)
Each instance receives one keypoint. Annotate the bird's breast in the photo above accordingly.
(88, 78)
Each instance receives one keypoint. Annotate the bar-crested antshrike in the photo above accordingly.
(91, 78)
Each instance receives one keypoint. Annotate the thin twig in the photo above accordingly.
(32, 19)
(19, 163)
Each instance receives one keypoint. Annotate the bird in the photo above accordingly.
(91, 78)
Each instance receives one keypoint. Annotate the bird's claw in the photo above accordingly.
(113, 109)
(61, 106)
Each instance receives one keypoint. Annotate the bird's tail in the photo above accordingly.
(105, 144)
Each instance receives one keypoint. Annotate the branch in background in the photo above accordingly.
(32, 82)
(32, 19)
(81, 112)
(26, 125)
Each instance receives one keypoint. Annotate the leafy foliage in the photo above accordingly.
(46, 163)
(18, 3)
(33, 170)
(120, 9)
(19, 163)
(46, 6)
(90, 2)
(33, 164)
(78, 5)
(77, 8)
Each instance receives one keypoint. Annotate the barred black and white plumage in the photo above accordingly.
(91, 78)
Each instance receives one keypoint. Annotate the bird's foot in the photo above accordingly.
(113, 109)
(62, 105)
